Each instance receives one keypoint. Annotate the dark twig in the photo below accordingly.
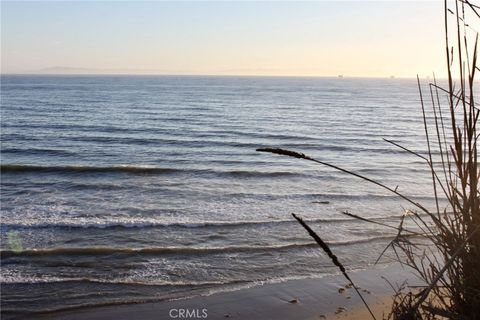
(334, 259)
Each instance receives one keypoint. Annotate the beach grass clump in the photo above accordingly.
(448, 259)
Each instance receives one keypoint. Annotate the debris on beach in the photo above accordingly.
(340, 310)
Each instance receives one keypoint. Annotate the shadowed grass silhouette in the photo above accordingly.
(448, 258)
(333, 257)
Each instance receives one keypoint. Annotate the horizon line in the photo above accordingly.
(339, 76)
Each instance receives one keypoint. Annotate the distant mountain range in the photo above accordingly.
(66, 70)
(74, 70)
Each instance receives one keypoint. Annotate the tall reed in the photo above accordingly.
(448, 260)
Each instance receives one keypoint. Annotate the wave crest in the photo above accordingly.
(99, 251)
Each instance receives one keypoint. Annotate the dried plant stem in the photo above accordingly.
(448, 259)
(334, 259)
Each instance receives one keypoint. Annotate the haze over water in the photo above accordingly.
(134, 188)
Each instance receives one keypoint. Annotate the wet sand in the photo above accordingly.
(320, 298)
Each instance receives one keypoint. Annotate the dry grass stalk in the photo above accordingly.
(333, 257)
(448, 261)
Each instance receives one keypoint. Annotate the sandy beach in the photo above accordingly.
(324, 298)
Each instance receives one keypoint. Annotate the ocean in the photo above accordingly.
(124, 189)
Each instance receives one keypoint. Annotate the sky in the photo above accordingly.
(277, 38)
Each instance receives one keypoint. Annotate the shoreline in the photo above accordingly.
(313, 298)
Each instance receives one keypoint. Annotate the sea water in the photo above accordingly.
(120, 189)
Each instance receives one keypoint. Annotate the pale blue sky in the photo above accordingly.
(270, 38)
